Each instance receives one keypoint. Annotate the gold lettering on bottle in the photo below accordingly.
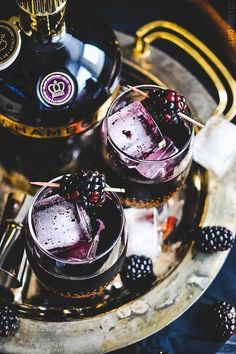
(20, 129)
(56, 132)
(42, 133)
(71, 130)
(37, 132)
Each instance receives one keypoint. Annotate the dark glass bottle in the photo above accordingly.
(59, 70)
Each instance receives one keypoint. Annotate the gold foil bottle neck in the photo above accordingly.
(41, 7)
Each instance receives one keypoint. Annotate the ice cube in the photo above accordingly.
(144, 237)
(60, 225)
(86, 250)
(94, 244)
(215, 145)
(153, 169)
(134, 131)
(76, 253)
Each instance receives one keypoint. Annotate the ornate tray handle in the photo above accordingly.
(208, 61)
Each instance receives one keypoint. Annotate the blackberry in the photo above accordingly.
(214, 238)
(87, 187)
(223, 317)
(161, 352)
(8, 321)
(92, 188)
(137, 272)
(156, 94)
(165, 105)
(153, 102)
(172, 104)
(69, 185)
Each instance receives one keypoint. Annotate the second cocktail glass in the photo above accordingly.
(146, 146)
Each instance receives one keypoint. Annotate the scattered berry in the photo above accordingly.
(214, 238)
(137, 272)
(224, 319)
(87, 187)
(8, 321)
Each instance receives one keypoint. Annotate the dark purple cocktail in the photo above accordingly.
(75, 251)
(147, 147)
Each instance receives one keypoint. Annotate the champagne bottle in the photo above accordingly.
(59, 70)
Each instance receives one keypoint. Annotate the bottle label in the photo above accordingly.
(56, 89)
(78, 127)
(10, 43)
(49, 132)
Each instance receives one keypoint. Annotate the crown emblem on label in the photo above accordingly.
(3, 42)
(57, 88)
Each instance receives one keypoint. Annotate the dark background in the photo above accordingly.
(209, 21)
(128, 15)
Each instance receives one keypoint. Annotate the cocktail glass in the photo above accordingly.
(73, 251)
(147, 156)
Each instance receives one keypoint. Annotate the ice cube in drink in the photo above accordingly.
(74, 248)
(153, 170)
(134, 131)
(65, 229)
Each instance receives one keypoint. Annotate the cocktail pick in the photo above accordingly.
(182, 115)
(191, 120)
(57, 185)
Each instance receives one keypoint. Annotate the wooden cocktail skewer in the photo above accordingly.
(182, 115)
(57, 185)
(191, 120)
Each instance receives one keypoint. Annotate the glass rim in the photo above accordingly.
(62, 260)
(131, 158)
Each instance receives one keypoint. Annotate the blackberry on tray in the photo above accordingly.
(224, 319)
(214, 238)
(8, 321)
(137, 272)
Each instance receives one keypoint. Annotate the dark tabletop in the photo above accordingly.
(190, 333)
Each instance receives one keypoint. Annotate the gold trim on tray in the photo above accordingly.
(206, 59)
